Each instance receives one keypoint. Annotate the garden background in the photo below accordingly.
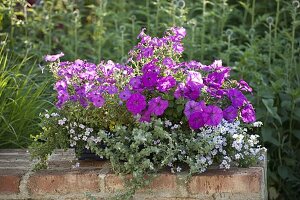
(259, 38)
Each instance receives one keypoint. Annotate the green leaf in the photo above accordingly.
(283, 171)
(267, 134)
(272, 110)
(296, 133)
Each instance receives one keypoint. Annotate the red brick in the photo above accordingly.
(113, 183)
(172, 198)
(164, 181)
(63, 182)
(231, 181)
(10, 181)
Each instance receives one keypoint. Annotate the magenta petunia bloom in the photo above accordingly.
(196, 120)
(236, 97)
(193, 106)
(52, 58)
(164, 84)
(230, 113)
(213, 115)
(151, 67)
(136, 103)
(146, 116)
(149, 79)
(157, 106)
(248, 114)
(125, 94)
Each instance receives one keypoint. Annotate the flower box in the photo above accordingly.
(151, 113)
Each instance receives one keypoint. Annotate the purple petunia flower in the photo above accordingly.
(108, 68)
(98, 101)
(230, 113)
(212, 115)
(192, 90)
(248, 114)
(157, 106)
(147, 52)
(96, 98)
(193, 106)
(193, 65)
(194, 77)
(243, 85)
(179, 92)
(136, 103)
(164, 84)
(178, 48)
(111, 89)
(156, 42)
(125, 94)
(149, 79)
(196, 120)
(151, 67)
(169, 62)
(61, 85)
(236, 97)
(136, 82)
(52, 58)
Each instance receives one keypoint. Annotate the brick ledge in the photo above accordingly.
(95, 179)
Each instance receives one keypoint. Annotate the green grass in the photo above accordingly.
(21, 101)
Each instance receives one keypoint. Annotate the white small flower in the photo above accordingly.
(178, 169)
(61, 122)
(47, 116)
(81, 126)
(75, 138)
(237, 156)
(262, 157)
(54, 114)
(214, 152)
(84, 138)
(257, 124)
(168, 123)
(202, 160)
(72, 131)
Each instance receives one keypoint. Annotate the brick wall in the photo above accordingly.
(95, 180)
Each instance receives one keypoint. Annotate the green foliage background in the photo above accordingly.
(260, 39)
